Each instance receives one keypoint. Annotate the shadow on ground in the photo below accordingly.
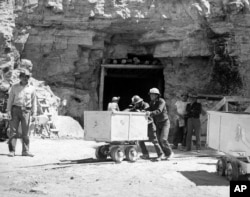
(204, 178)
(73, 162)
(87, 161)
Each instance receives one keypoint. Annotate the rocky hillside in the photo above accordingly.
(8, 54)
(202, 44)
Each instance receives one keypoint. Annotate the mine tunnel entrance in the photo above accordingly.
(128, 80)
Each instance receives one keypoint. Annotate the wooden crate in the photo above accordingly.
(107, 126)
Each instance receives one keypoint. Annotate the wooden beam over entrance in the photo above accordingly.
(132, 66)
(101, 90)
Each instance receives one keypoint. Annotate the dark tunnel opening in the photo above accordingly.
(129, 82)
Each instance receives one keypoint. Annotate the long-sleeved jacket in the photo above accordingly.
(158, 110)
(193, 110)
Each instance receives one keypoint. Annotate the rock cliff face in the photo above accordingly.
(203, 45)
(8, 54)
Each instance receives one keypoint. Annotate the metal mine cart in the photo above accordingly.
(230, 133)
(120, 131)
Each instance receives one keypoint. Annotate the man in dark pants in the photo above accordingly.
(158, 111)
(193, 121)
(140, 106)
(21, 104)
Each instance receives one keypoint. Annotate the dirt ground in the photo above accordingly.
(67, 167)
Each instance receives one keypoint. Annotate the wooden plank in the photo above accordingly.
(127, 76)
(219, 105)
(101, 89)
(132, 66)
(236, 99)
(211, 96)
(226, 106)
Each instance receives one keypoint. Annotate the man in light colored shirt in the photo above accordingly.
(180, 124)
(21, 105)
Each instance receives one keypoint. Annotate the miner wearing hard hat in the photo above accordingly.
(140, 106)
(158, 111)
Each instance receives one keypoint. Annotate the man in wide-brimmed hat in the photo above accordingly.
(193, 121)
(138, 104)
(22, 104)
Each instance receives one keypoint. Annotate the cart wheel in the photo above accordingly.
(221, 166)
(232, 171)
(101, 153)
(131, 154)
(117, 154)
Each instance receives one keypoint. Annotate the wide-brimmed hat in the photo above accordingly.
(136, 99)
(115, 98)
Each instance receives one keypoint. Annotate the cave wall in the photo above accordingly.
(185, 74)
(202, 44)
(69, 62)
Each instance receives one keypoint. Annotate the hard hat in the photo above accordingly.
(115, 98)
(154, 91)
(136, 99)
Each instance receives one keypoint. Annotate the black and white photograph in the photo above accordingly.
(125, 98)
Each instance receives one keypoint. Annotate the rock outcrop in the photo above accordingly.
(202, 44)
(8, 54)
